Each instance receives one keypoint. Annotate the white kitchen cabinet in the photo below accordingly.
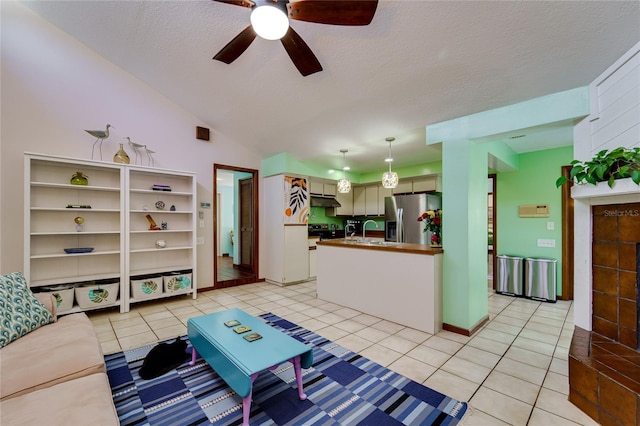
(313, 263)
(316, 187)
(322, 188)
(404, 187)
(346, 205)
(371, 200)
(359, 200)
(329, 189)
(53, 204)
(424, 184)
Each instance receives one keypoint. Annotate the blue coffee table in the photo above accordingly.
(239, 361)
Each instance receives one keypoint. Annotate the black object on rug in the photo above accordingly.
(342, 387)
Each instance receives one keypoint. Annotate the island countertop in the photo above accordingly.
(382, 246)
(397, 282)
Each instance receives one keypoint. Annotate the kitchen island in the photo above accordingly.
(398, 282)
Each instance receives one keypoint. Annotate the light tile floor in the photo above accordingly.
(512, 372)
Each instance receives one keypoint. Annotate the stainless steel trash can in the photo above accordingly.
(509, 274)
(540, 279)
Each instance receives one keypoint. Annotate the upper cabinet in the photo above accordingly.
(346, 205)
(322, 188)
(368, 199)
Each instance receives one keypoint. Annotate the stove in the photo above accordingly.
(322, 230)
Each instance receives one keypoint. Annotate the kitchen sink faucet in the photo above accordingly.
(346, 230)
(364, 228)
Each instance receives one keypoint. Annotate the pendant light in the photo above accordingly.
(344, 184)
(389, 179)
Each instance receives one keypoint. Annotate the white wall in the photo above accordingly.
(54, 87)
(614, 121)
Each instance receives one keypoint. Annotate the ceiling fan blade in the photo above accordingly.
(237, 46)
(335, 12)
(243, 3)
(300, 53)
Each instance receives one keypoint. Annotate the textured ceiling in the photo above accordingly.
(417, 63)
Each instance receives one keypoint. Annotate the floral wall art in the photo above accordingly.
(296, 200)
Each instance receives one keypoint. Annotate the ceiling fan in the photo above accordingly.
(334, 12)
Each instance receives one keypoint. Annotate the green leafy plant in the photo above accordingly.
(606, 166)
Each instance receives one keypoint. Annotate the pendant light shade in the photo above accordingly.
(344, 184)
(389, 179)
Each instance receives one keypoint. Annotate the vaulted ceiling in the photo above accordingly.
(417, 63)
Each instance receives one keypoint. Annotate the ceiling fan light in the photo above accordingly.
(269, 22)
(389, 180)
(344, 186)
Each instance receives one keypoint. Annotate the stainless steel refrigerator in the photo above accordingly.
(401, 217)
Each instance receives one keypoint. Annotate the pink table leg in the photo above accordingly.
(246, 402)
(298, 370)
(193, 356)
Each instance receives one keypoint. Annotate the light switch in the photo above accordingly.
(551, 226)
(201, 223)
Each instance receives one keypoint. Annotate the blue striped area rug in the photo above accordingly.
(342, 387)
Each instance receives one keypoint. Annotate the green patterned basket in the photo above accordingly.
(92, 296)
(145, 287)
(177, 282)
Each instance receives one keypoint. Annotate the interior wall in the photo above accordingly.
(532, 183)
(53, 88)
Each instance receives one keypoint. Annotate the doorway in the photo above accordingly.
(491, 231)
(235, 229)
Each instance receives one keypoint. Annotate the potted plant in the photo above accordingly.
(606, 166)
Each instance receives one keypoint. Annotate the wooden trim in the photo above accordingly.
(567, 237)
(494, 222)
(256, 221)
(464, 331)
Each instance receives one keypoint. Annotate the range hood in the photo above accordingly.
(324, 202)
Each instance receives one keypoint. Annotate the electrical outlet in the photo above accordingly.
(551, 226)
(546, 243)
(200, 241)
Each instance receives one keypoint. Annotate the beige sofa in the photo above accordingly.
(55, 375)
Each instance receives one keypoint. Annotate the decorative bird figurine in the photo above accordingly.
(100, 135)
(149, 152)
(135, 147)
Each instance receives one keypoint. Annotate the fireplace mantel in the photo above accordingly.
(623, 191)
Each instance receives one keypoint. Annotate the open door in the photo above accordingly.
(246, 224)
(235, 226)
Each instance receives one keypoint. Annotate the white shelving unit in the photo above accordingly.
(144, 258)
(115, 226)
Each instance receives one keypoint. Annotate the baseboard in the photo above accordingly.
(464, 331)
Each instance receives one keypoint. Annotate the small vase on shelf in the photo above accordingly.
(121, 156)
(436, 239)
(79, 179)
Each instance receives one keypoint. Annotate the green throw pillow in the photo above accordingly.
(20, 311)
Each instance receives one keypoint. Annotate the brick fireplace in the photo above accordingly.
(604, 364)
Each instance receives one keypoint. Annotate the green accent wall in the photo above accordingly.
(285, 163)
(404, 172)
(318, 215)
(532, 183)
